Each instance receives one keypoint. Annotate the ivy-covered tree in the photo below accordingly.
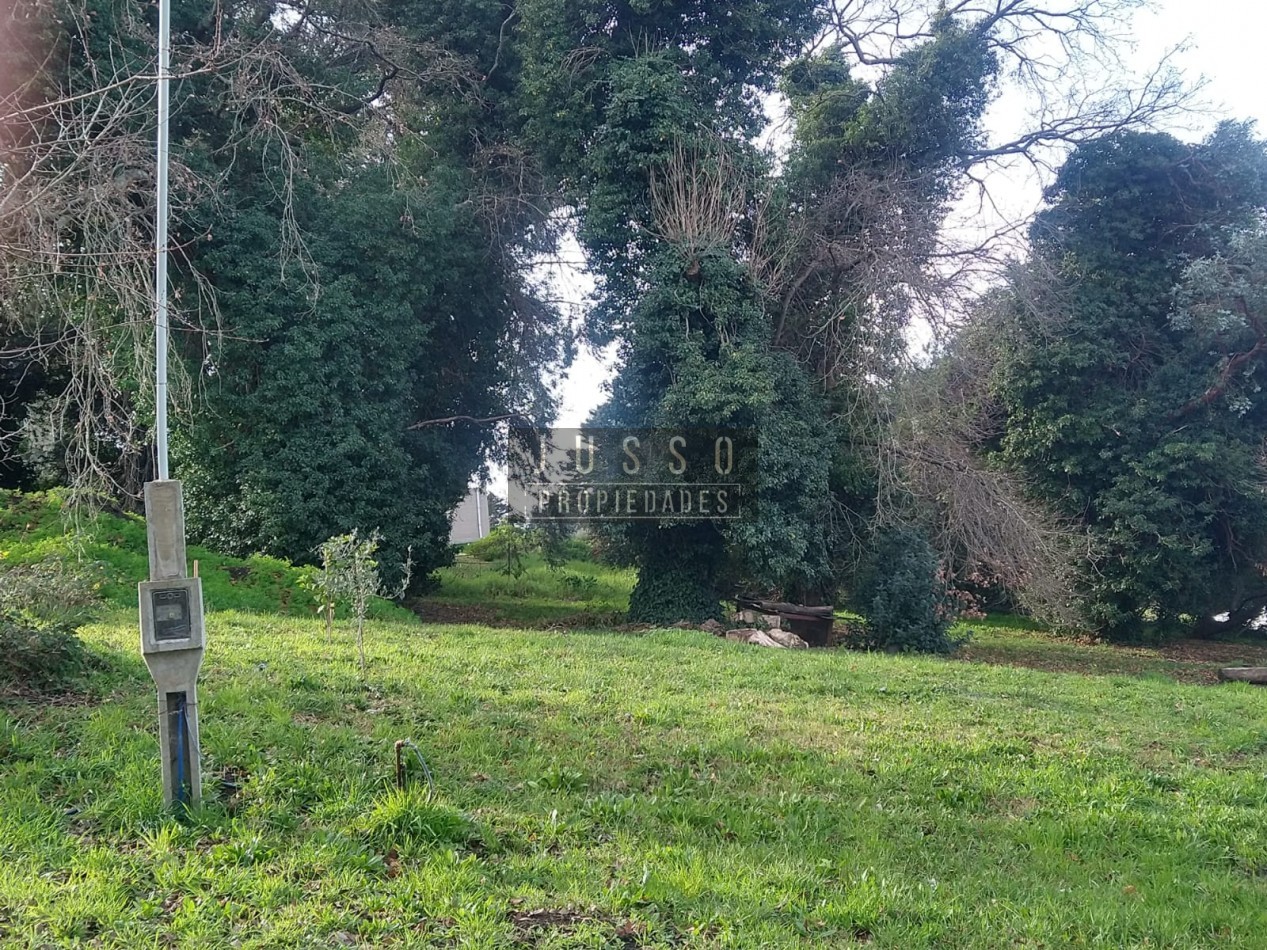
(354, 220)
(1130, 409)
(698, 354)
(845, 244)
(646, 115)
(744, 295)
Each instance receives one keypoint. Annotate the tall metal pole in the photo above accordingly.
(160, 241)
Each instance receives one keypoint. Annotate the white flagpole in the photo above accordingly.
(160, 241)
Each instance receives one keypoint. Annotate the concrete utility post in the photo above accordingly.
(170, 602)
(172, 642)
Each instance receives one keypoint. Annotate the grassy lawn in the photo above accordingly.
(33, 526)
(619, 790)
(475, 591)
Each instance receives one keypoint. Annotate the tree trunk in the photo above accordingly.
(360, 634)
(1238, 619)
(677, 576)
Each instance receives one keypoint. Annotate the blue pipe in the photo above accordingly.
(182, 749)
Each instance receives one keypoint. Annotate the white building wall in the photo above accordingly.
(470, 518)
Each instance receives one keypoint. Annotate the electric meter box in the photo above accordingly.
(171, 615)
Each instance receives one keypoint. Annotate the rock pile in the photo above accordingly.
(767, 638)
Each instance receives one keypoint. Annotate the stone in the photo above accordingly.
(767, 638)
(757, 620)
(763, 639)
(786, 638)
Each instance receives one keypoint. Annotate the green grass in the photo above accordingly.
(480, 591)
(32, 527)
(618, 790)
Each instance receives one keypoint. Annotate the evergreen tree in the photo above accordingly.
(1128, 414)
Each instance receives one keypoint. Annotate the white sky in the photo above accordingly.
(1224, 45)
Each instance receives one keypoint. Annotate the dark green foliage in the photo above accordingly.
(902, 592)
(1118, 412)
(356, 264)
(698, 354)
(679, 573)
(307, 429)
(862, 158)
(612, 89)
(406, 303)
(922, 116)
(23, 381)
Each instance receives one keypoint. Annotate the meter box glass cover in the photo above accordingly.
(171, 614)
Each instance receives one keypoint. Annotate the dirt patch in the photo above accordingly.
(533, 927)
(230, 779)
(1187, 661)
(1212, 651)
(14, 694)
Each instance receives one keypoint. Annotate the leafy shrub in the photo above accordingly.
(41, 604)
(54, 591)
(902, 591)
(578, 584)
(558, 545)
(507, 543)
(485, 548)
(38, 657)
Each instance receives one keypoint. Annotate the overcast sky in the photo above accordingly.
(1225, 45)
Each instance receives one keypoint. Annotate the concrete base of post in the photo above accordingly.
(172, 642)
(175, 673)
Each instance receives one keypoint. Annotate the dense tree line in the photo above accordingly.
(353, 214)
(361, 192)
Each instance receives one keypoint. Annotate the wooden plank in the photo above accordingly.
(780, 607)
